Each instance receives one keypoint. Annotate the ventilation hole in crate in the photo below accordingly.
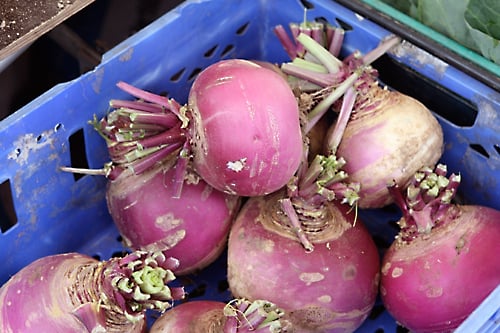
(381, 242)
(442, 101)
(379, 330)
(8, 216)
(186, 280)
(40, 139)
(242, 29)
(391, 209)
(58, 127)
(97, 257)
(77, 152)
(228, 49)
(164, 93)
(401, 329)
(377, 310)
(497, 148)
(119, 239)
(119, 254)
(393, 224)
(480, 149)
(222, 286)
(344, 25)
(194, 73)
(307, 4)
(321, 19)
(177, 76)
(210, 52)
(199, 291)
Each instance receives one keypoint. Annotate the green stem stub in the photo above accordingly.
(326, 177)
(426, 200)
(259, 316)
(140, 281)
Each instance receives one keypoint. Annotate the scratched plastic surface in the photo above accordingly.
(56, 213)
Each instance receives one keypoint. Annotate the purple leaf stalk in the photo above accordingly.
(259, 316)
(426, 202)
(318, 70)
(328, 36)
(139, 282)
(318, 183)
(142, 133)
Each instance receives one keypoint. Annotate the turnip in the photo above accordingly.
(389, 135)
(444, 262)
(329, 289)
(246, 134)
(154, 206)
(150, 215)
(76, 293)
(205, 316)
(306, 251)
(192, 228)
(240, 127)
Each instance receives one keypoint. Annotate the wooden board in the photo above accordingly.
(24, 21)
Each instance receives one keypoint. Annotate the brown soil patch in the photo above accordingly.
(18, 17)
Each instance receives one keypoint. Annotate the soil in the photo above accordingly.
(18, 17)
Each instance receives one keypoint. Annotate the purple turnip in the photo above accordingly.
(389, 136)
(192, 228)
(444, 262)
(240, 128)
(155, 199)
(306, 252)
(74, 293)
(246, 132)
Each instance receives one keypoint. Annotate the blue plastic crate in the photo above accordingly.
(486, 317)
(57, 213)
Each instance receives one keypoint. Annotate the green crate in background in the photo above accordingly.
(385, 10)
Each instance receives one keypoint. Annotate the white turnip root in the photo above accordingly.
(237, 316)
(74, 293)
(445, 261)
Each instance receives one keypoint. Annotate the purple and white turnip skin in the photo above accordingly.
(246, 135)
(207, 316)
(155, 199)
(192, 228)
(445, 261)
(240, 128)
(74, 293)
(203, 316)
(331, 288)
(388, 137)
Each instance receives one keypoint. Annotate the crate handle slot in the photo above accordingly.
(77, 148)
(8, 215)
